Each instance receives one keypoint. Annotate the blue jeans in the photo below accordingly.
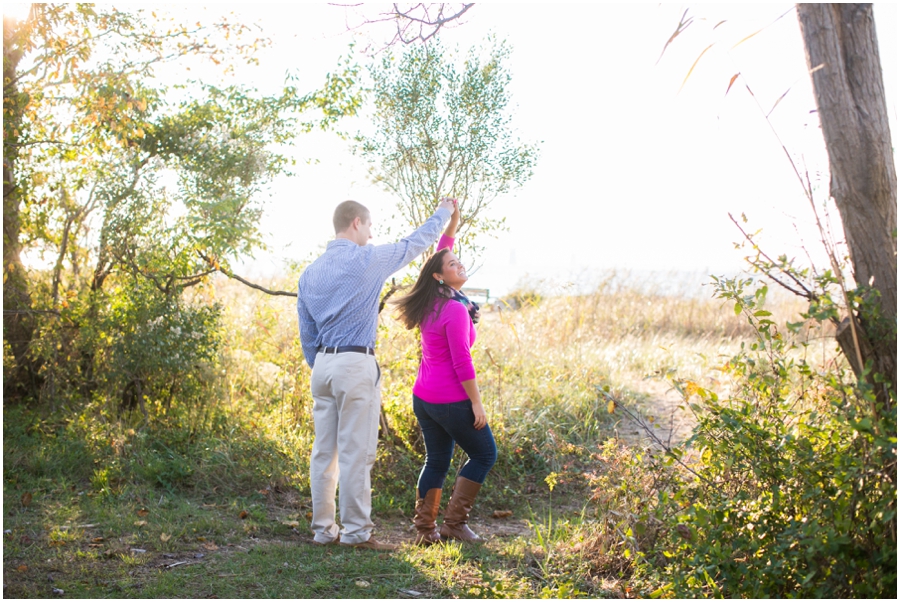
(446, 424)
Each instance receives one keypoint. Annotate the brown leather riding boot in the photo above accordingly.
(456, 516)
(426, 515)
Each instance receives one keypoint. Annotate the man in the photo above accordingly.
(337, 306)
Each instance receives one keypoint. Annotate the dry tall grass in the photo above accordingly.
(539, 366)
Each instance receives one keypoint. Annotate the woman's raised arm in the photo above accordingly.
(449, 236)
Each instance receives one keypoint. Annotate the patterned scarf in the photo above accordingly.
(470, 305)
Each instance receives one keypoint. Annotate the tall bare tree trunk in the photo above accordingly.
(23, 379)
(842, 54)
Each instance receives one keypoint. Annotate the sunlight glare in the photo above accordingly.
(17, 10)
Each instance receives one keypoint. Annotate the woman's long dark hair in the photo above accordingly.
(415, 306)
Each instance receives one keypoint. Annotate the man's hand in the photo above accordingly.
(448, 204)
(455, 216)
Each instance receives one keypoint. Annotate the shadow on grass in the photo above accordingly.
(94, 509)
(287, 569)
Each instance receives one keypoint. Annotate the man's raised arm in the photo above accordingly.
(392, 257)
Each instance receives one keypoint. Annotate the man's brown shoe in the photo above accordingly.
(372, 544)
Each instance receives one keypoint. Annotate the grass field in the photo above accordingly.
(213, 500)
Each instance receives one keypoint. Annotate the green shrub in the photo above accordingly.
(792, 492)
(159, 342)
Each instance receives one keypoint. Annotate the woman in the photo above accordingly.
(446, 399)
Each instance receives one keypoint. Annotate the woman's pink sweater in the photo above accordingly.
(445, 243)
(447, 339)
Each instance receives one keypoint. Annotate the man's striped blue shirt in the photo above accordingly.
(338, 293)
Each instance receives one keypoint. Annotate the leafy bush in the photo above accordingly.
(158, 342)
(793, 489)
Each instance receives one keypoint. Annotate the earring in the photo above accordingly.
(440, 282)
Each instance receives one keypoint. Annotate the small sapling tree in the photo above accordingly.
(445, 130)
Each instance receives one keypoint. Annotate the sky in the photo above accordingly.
(638, 169)
(636, 173)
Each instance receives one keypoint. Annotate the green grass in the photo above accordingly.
(217, 496)
(131, 533)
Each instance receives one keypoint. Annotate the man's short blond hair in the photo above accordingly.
(346, 212)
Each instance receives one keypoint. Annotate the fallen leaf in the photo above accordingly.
(95, 545)
(309, 516)
(502, 513)
(164, 538)
(263, 491)
(291, 523)
(56, 542)
(244, 514)
(97, 540)
(143, 512)
(201, 539)
(140, 523)
(210, 546)
(362, 583)
(26, 499)
(22, 568)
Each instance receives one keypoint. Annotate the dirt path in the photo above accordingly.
(397, 530)
(661, 412)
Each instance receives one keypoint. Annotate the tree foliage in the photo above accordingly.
(445, 130)
(133, 190)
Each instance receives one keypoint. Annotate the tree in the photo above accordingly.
(419, 22)
(842, 54)
(18, 321)
(137, 190)
(443, 131)
(845, 67)
(795, 458)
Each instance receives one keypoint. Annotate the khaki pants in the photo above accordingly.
(346, 390)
